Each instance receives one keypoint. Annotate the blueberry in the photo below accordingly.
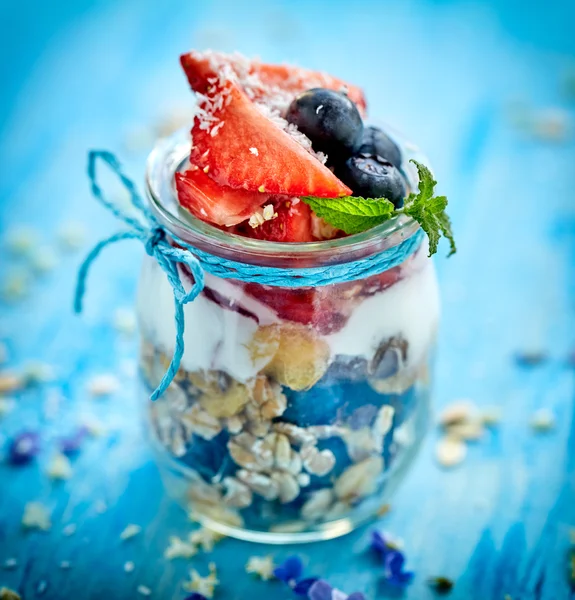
(373, 178)
(329, 119)
(377, 143)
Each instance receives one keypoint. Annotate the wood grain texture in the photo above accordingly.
(443, 73)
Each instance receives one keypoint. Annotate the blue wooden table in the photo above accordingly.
(462, 79)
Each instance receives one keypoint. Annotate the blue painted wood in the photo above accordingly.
(442, 72)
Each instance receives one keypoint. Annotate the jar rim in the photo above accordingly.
(170, 155)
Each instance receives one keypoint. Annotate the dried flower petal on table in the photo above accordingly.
(104, 384)
(393, 559)
(23, 448)
(60, 467)
(290, 570)
(543, 420)
(203, 585)
(440, 584)
(206, 538)
(322, 590)
(71, 445)
(36, 516)
(130, 531)
(262, 566)
(179, 548)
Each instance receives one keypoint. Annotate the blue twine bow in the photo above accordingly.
(148, 230)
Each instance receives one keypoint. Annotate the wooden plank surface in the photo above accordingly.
(96, 73)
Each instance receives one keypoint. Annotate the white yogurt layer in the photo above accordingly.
(217, 338)
(409, 308)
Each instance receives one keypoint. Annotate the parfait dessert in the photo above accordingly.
(296, 407)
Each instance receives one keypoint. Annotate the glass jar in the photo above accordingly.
(295, 411)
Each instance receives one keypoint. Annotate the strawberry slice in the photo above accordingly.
(239, 147)
(268, 80)
(214, 203)
(297, 80)
(292, 224)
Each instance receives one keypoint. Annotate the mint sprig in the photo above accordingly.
(354, 214)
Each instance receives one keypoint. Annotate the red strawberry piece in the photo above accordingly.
(292, 224)
(214, 203)
(240, 147)
(297, 80)
(201, 66)
(377, 283)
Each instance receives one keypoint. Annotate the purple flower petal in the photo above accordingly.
(23, 448)
(301, 588)
(71, 445)
(356, 596)
(394, 573)
(320, 590)
(378, 543)
(290, 570)
(195, 596)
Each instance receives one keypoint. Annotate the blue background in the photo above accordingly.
(85, 74)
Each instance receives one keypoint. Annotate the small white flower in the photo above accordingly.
(72, 235)
(263, 566)
(60, 467)
(103, 384)
(21, 241)
(129, 566)
(144, 590)
(36, 516)
(206, 538)
(179, 548)
(130, 532)
(543, 420)
(125, 321)
(203, 585)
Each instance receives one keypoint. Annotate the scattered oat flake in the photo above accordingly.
(441, 584)
(100, 507)
(103, 385)
(450, 451)
(203, 585)
(254, 151)
(457, 412)
(93, 426)
(36, 516)
(16, 286)
(21, 241)
(43, 260)
(65, 564)
(60, 467)
(543, 420)
(179, 548)
(125, 321)
(206, 538)
(10, 382)
(36, 372)
(8, 594)
(10, 563)
(130, 532)
(129, 566)
(41, 587)
(144, 590)
(72, 235)
(262, 566)
(6, 405)
(69, 530)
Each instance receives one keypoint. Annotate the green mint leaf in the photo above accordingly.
(429, 210)
(354, 214)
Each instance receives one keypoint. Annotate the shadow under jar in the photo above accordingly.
(295, 411)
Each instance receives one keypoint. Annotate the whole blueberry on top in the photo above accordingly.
(329, 119)
(377, 143)
(373, 178)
